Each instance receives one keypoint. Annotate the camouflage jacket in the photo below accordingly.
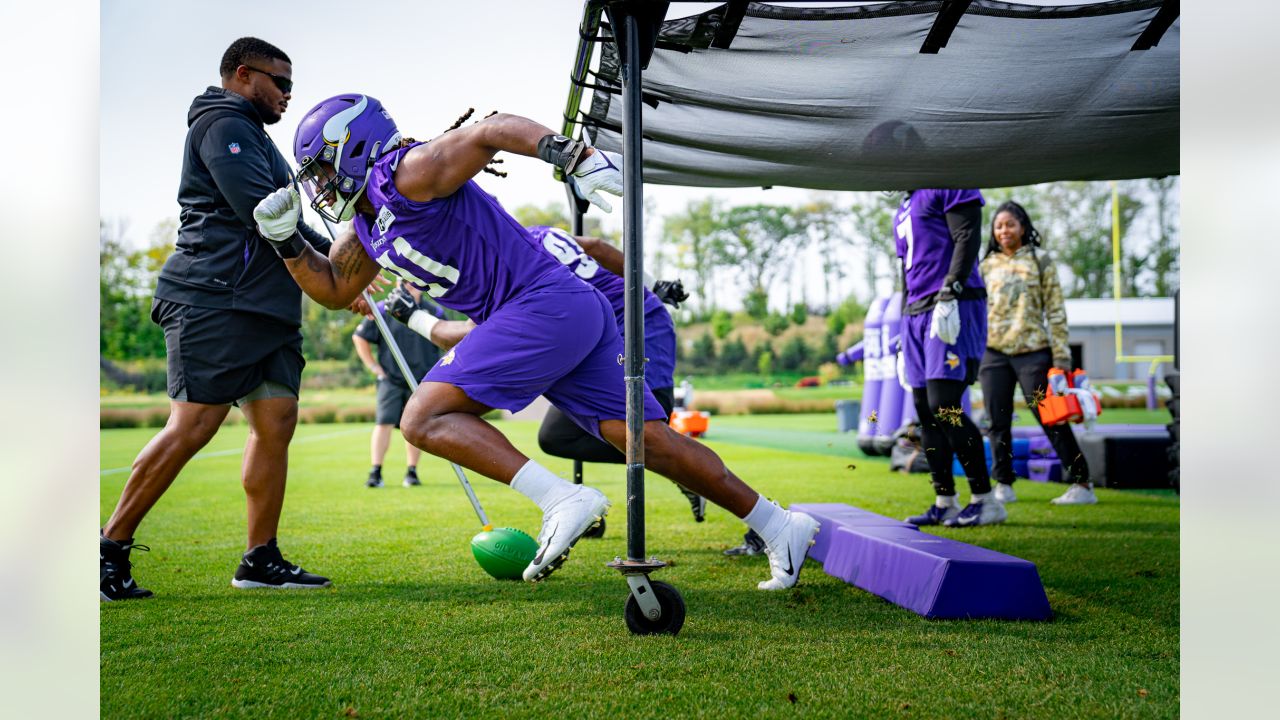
(1025, 311)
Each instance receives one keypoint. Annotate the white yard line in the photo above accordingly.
(240, 451)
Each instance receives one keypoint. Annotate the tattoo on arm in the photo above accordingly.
(347, 260)
(316, 262)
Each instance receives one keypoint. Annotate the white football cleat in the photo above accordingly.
(1005, 494)
(788, 550)
(990, 512)
(562, 524)
(1076, 495)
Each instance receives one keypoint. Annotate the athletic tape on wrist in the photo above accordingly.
(421, 322)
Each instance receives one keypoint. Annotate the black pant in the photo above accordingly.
(946, 432)
(561, 437)
(998, 374)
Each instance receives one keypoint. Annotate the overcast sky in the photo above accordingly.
(426, 61)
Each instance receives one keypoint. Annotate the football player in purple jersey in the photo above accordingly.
(599, 264)
(540, 331)
(944, 333)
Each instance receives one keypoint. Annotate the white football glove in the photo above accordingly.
(599, 171)
(902, 371)
(277, 215)
(945, 324)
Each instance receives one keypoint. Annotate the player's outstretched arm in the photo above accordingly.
(439, 168)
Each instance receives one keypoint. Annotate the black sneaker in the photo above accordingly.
(374, 481)
(411, 480)
(263, 567)
(697, 503)
(116, 580)
(752, 544)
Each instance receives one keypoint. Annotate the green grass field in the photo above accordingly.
(413, 628)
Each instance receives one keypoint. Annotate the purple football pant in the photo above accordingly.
(563, 345)
(927, 358)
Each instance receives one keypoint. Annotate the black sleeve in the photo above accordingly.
(321, 243)
(237, 156)
(369, 331)
(965, 223)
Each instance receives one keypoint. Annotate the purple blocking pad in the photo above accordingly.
(835, 515)
(935, 577)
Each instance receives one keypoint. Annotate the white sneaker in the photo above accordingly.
(788, 550)
(562, 524)
(1005, 494)
(990, 512)
(1076, 495)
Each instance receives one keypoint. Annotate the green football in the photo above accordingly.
(504, 552)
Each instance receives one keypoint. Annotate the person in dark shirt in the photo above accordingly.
(231, 315)
(393, 390)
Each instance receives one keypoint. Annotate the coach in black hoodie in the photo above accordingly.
(231, 315)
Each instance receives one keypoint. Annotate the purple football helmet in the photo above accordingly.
(336, 145)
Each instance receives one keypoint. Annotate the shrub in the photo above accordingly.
(764, 363)
(703, 352)
(794, 354)
(775, 323)
(799, 313)
(721, 324)
(756, 303)
(733, 356)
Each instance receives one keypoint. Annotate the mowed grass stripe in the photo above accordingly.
(413, 628)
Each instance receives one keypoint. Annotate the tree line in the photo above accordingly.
(762, 258)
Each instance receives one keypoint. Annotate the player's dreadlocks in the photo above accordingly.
(458, 123)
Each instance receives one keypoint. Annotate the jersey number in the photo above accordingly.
(904, 232)
(568, 251)
(438, 269)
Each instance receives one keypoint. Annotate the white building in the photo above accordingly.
(1146, 329)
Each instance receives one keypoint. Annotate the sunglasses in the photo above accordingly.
(283, 83)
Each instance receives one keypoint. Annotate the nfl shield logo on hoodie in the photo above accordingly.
(234, 148)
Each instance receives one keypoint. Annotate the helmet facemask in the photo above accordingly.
(333, 195)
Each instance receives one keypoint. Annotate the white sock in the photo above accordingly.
(946, 501)
(767, 519)
(981, 497)
(540, 485)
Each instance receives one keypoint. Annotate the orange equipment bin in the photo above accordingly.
(690, 422)
(1056, 409)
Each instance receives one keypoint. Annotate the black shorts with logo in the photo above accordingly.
(218, 356)
(392, 396)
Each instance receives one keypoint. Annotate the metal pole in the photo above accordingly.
(409, 378)
(633, 272)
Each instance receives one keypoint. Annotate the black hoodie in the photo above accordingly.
(229, 164)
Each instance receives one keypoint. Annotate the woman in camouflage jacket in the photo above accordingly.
(1026, 335)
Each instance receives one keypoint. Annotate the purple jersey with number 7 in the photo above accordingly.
(924, 241)
(659, 330)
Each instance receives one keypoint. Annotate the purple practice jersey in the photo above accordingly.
(924, 240)
(463, 250)
(659, 330)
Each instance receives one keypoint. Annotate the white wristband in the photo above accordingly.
(421, 322)
(649, 282)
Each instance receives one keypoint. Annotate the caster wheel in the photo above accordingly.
(595, 532)
(672, 612)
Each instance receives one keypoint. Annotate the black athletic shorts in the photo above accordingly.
(217, 356)
(393, 395)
